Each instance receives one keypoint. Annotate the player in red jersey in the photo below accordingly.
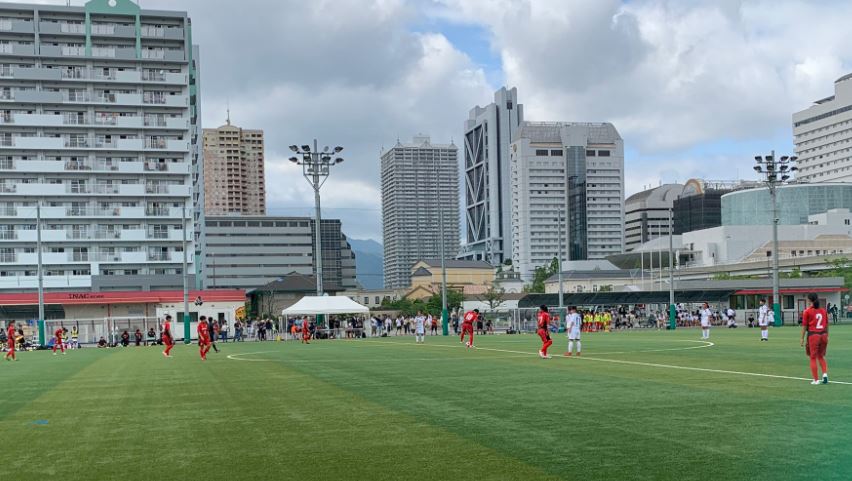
(203, 330)
(167, 338)
(470, 317)
(544, 331)
(815, 326)
(11, 335)
(306, 331)
(57, 341)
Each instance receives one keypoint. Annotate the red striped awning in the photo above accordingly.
(792, 290)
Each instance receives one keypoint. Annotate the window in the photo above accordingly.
(556, 153)
(590, 153)
(603, 153)
(541, 153)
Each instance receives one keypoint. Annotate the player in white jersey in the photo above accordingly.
(572, 326)
(420, 328)
(706, 315)
(763, 314)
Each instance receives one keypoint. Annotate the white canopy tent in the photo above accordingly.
(326, 305)
(317, 305)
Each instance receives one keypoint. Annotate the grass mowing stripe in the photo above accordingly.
(127, 428)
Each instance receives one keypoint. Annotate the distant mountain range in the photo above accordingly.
(369, 262)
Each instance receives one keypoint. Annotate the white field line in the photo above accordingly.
(645, 364)
(238, 357)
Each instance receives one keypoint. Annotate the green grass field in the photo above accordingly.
(643, 405)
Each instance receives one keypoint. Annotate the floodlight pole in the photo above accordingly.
(672, 309)
(776, 171)
(316, 167)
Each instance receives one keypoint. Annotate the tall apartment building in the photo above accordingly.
(98, 126)
(568, 175)
(487, 135)
(823, 136)
(233, 171)
(419, 190)
(247, 252)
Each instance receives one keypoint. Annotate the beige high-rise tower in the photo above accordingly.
(233, 171)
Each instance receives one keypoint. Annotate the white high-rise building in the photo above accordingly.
(487, 188)
(570, 175)
(823, 136)
(419, 190)
(98, 125)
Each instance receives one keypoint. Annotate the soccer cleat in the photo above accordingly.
(567, 354)
(825, 378)
(815, 382)
(578, 353)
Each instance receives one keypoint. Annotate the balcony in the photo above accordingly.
(92, 212)
(156, 189)
(16, 26)
(77, 234)
(106, 30)
(160, 257)
(77, 143)
(163, 212)
(39, 97)
(9, 211)
(110, 189)
(35, 73)
(8, 234)
(169, 33)
(8, 257)
(77, 97)
(17, 49)
(36, 143)
(61, 28)
(105, 234)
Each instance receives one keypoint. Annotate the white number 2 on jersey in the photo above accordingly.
(819, 321)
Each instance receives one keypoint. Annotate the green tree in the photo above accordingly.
(541, 274)
(454, 301)
(494, 295)
(839, 267)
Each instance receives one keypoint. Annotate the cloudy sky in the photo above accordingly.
(696, 87)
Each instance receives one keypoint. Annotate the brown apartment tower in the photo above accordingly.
(233, 171)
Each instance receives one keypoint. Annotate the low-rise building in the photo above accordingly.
(426, 276)
(373, 298)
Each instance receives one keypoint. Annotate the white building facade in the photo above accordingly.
(567, 187)
(487, 188)
(647, 214)
(823, 136)
(419, 193)
(98, 126)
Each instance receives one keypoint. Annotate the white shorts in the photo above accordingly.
(763, 323)
(421, 332)
(574, 336)
(705, 325)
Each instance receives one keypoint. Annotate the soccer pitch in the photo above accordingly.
(641, 405)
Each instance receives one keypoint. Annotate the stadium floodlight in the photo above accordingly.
(776, 172)
(316, 167)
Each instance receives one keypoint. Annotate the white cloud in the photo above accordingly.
(671, 75)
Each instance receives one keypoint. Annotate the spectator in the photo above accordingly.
(138, 336)
(102, 343)
(223, 331)
(125, 339)
(152, 337)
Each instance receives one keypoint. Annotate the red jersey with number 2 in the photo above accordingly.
(815, 320)
(543, 320)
